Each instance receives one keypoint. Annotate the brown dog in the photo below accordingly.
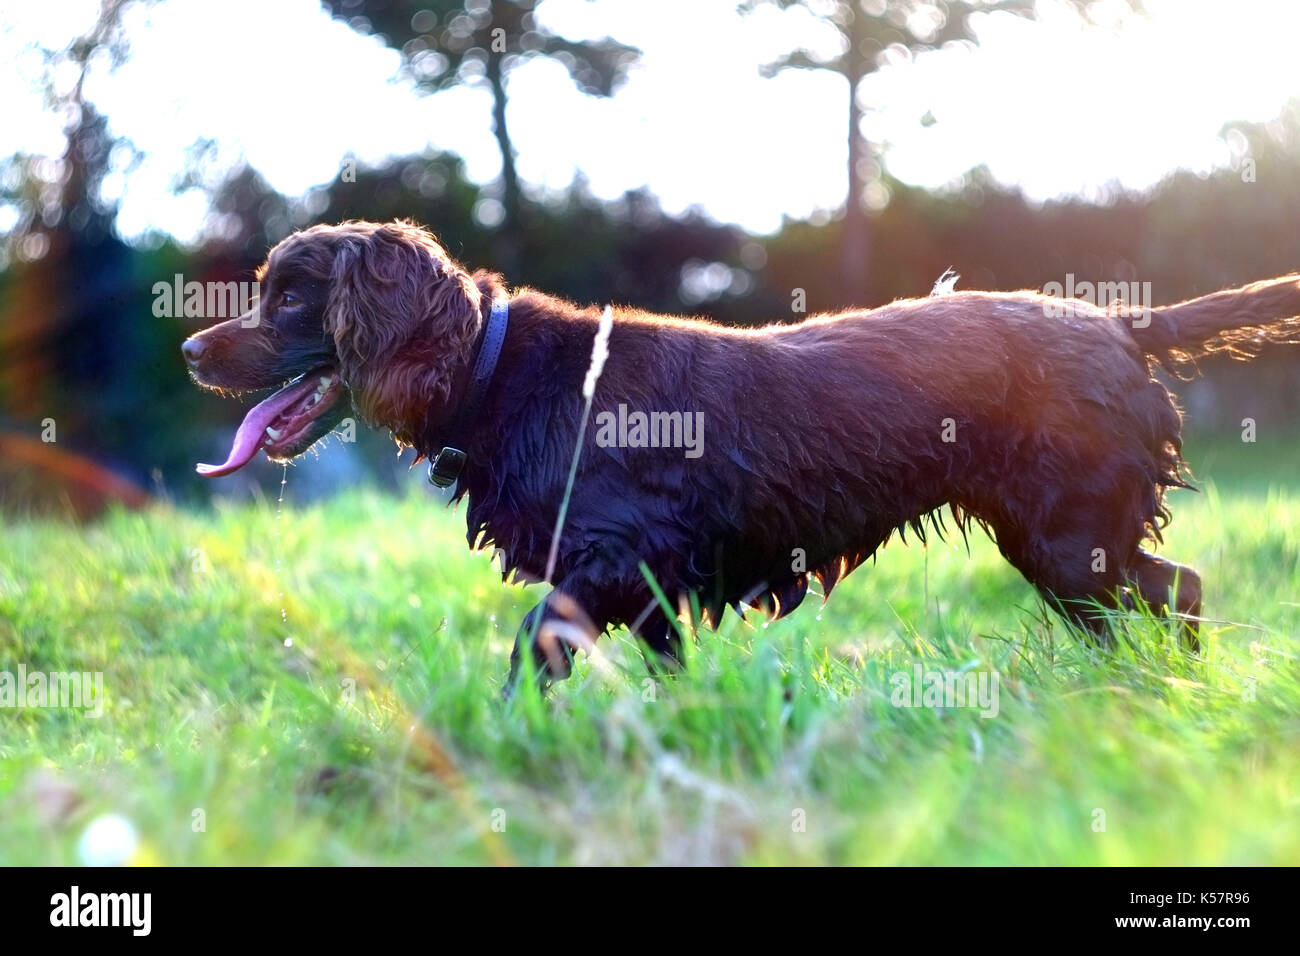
(799, 448)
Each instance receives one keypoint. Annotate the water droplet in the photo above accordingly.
(279, 513)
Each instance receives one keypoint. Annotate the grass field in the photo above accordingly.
(379, 736)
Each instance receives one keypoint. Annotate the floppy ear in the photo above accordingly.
(404, 319)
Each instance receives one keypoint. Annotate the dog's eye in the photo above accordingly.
(289, 299)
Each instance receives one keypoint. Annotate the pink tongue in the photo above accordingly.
(252, 431)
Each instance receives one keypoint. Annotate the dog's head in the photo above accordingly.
(375, 311)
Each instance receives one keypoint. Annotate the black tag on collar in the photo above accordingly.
(446, 467)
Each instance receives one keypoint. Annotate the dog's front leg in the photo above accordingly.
(551, 632)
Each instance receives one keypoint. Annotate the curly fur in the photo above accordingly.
(821, 439)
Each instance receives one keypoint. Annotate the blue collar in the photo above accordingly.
(447, 465)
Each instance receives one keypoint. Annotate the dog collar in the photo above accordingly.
(446, 467)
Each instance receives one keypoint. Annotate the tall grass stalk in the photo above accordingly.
(599, 352)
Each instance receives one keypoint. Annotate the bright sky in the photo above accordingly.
(1047, 105)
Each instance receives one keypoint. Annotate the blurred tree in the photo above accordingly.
(447, 43)
(574, 245)
(867, 31)
(63, 236)
(78, 343)
(76, 359)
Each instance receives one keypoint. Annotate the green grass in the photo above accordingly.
(1192, 760)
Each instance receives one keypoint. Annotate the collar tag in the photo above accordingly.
(446, 468)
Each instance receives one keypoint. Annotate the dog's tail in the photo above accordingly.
(1237, 321)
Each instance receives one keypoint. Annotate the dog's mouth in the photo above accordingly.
(287, 423)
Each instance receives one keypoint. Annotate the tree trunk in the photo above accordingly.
(509, 177)
(854, 250)
(506, 246)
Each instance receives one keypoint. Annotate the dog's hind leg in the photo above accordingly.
(1166, 586)
(1088, 562)
(1075, 558)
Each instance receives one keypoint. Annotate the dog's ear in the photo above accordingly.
(404, 319)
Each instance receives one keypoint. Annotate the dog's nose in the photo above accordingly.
(193, 350)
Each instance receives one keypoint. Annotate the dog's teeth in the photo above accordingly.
(272, 434)
(325, 381)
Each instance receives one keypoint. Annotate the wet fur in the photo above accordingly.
(821, 439)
